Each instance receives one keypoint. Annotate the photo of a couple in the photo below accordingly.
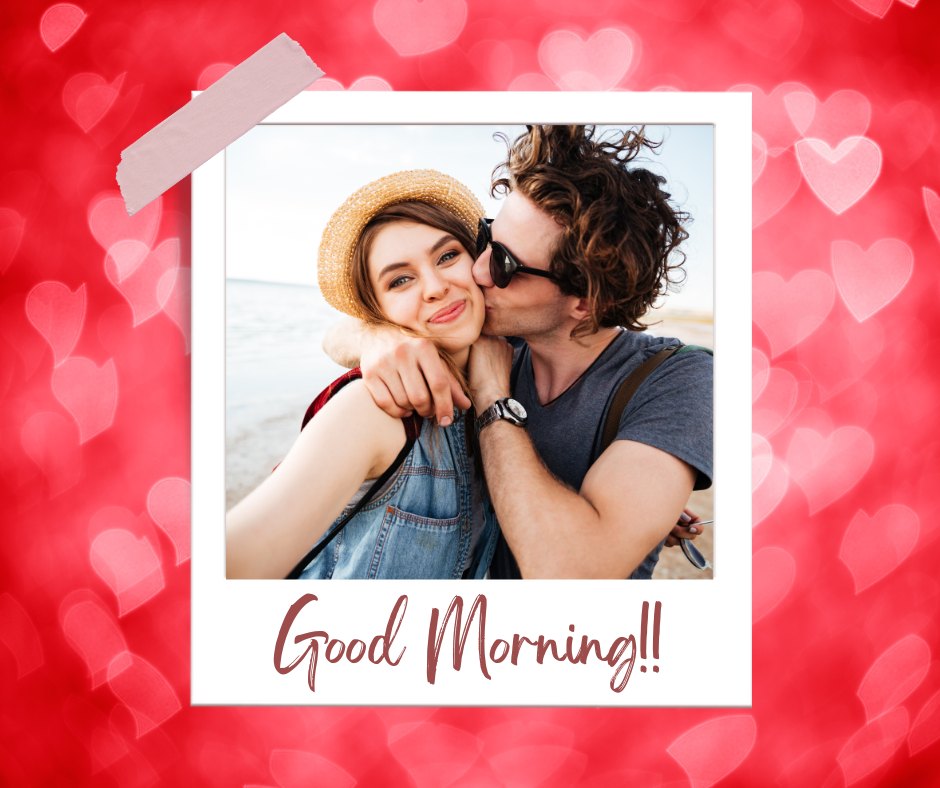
(508, 411)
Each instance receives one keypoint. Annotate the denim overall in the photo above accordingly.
(421, 525)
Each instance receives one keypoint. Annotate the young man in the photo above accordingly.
(581, 249)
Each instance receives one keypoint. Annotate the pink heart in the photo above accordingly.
(872, 745)
(770, 118)
(51, 441)
(168, 504)
(845, 113)
(774, 571)
(88, 392)
(788, 312)
(93, 632)
(771, 490)
(144, 690)
(850, 350)
(894, 675)
(599, 63)
(768, 27)
(925, 729)
(174, 291)
(873, 547)
(932, 206)
(19, 635)
(414, 27)
(777, 183)
(58, 314)
(776, 403)
(109, 222)
(826, 468)
(12, 226)
(713, 749)
(130, 566)
(143, 285)
(454, 751)
(87, 98)
(869, 281)
(59, 23)
(840, 177)
(291, 768)
(874, 7)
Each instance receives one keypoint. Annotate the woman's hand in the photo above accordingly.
(489, 369)
(405, 373)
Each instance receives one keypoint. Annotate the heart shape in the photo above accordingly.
(872, 745)
(925, 729)
(88, 392)
(774, 572)
(168, 504)
(873, 547)
(850, 350)
(766, 496)
(870, 280)
(827, 467)
(769, 113)
(59, 23)
(911, 127)
(143, 281)
(58, 314)
(932, 206)
(109, 222)
(713, 749)
(12, 227)
(894, 675)
(414, 27)
(144, 690)
(51, 441)
(840, 177)
(846, 113)
(775, 186)
(87, 98)
(130, 567)
(776, 404)
(598, 63)
(788, 312)
(93, 632)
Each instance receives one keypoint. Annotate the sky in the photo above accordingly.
(283, 181)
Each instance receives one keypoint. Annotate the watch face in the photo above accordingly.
(515, 408)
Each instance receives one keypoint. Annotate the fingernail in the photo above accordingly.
(693, 529)
(446, 421)
(684, 517)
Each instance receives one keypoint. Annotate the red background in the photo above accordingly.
(94, 395)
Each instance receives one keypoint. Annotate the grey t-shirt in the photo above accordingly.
(671, 410)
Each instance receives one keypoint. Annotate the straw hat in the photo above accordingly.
(347, 223)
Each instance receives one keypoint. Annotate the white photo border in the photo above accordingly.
(236, 623)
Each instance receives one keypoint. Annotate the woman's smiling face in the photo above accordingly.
(422, 279)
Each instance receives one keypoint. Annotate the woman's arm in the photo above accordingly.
(348, 441)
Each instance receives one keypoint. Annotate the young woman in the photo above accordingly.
(396, 252)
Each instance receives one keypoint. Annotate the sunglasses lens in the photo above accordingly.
(501, 267)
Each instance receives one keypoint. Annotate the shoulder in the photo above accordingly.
(351, 415)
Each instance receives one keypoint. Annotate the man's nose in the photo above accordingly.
(481, 268)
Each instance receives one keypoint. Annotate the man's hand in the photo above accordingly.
(490, 363)
(405, 373)
(686, 528)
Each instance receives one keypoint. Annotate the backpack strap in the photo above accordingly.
(629, 386)
(412, 426)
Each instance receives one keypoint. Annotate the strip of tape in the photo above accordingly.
(213, 120)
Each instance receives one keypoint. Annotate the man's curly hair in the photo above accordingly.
(618, 250)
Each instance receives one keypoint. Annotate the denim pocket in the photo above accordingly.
(414, 546)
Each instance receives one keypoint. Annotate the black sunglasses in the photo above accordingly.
(503, 264)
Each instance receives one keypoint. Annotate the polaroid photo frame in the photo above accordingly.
(467, 643)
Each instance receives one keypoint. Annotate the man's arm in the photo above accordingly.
(403, 373)
(629, 501)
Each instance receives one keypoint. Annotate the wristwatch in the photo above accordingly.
(508, 409)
